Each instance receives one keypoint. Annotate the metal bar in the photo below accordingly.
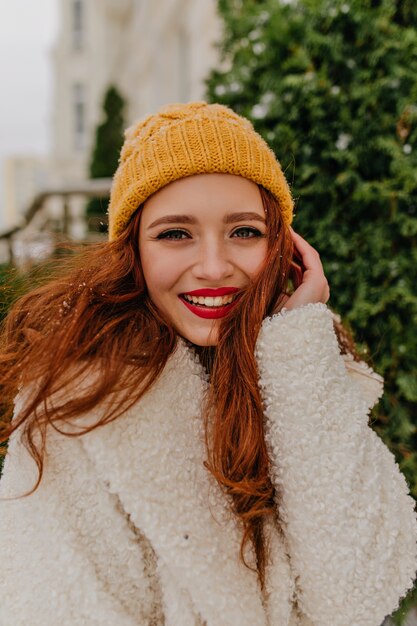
(99, 187)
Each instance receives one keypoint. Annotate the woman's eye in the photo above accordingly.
(173, 234)
(247, 232)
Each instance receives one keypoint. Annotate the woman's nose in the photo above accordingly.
(213, 262)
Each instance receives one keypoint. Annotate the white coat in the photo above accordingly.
(128, 528)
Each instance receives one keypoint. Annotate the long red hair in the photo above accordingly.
(97, 311)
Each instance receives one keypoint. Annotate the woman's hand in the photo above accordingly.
(310, 282)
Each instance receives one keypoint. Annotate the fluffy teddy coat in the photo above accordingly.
(128, 528)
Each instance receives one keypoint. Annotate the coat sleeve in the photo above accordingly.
(344, 506)
(58, 563)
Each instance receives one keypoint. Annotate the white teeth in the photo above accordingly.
(209, 301)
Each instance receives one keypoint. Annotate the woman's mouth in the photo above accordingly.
(209, 300)
(209, 307)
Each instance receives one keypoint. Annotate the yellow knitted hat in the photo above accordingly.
(185, 139)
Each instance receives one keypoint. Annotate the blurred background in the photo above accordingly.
(332, 87)
(72, 65)
(26, 102)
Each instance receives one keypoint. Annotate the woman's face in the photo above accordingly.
(201, 239)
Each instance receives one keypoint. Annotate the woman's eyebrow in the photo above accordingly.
(243, 216)
(173, 219)
(228, 219)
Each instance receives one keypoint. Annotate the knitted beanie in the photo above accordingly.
(185, 139)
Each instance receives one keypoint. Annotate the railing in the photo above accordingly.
(54, 211)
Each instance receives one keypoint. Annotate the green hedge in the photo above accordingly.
(332, 87)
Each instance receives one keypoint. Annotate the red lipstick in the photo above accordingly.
(211, 312)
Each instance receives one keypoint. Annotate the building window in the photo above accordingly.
(77, 24)
(79, 113)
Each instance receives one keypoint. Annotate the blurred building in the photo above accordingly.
(24, 177)
(153, 51)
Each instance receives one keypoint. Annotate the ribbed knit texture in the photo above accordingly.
(185, 139)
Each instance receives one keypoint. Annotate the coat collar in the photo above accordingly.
(157, 471)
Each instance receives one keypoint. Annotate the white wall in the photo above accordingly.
(24, 178)
(154, 51)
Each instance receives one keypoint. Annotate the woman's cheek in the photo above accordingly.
(160, 269)
(251, 262)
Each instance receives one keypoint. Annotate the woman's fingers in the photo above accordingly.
(309, 255)
(310, 281)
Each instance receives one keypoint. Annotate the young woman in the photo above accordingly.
(190, 443)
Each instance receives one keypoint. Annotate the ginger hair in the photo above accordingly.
(96, 310)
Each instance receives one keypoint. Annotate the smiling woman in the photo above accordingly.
(193, 263)
(190, 442)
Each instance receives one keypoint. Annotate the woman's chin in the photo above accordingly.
(200, 338)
